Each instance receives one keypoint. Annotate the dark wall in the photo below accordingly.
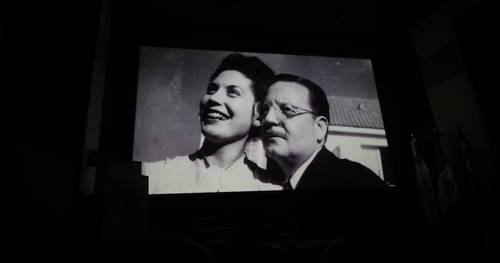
(474, 33)
(49, 55)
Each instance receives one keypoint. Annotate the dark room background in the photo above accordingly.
(71, 84)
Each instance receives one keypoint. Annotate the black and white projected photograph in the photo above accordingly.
(229, 121)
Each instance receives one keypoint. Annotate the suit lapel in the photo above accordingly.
(315, 172)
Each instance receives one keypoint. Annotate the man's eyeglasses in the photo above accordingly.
(283, 111)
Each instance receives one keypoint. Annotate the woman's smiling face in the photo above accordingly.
(226, 110)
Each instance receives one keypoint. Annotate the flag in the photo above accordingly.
(424, 184)
(472, 182)
(447, 187)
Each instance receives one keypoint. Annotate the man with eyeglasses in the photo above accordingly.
(294, 119)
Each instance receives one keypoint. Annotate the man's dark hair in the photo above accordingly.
(317, 97)
(253, 68)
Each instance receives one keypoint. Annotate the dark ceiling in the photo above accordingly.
(260, 25)
(353, 16)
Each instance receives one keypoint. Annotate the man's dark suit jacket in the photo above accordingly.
(326, 171)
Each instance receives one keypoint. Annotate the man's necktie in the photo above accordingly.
(287, 186)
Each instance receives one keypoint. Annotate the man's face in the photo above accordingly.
(293, 139)
(226, 110)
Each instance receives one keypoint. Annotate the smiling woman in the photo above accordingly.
(226, 110)
(224, 162)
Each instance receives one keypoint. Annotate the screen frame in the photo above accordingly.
(117, 135)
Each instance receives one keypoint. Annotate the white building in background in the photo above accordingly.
(356, 131)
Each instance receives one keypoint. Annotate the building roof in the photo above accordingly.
(355, 112)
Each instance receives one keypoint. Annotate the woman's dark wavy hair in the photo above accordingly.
(253, 68)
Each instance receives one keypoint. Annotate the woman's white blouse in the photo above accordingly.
(193, 174)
